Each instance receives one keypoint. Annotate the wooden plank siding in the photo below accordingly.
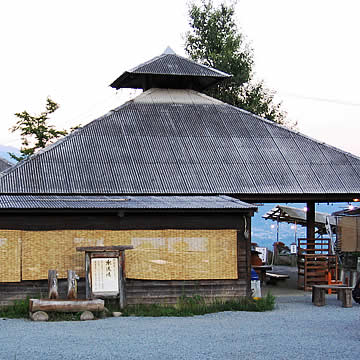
(139, 291)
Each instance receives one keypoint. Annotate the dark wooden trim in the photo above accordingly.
(139, 221)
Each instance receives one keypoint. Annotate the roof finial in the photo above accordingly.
(169, 50)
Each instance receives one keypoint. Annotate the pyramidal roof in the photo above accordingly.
(174, 141)
(170, 70)
(182, 142)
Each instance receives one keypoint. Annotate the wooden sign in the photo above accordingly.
(105, 275)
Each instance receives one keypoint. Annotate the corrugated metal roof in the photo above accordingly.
(170, 71)
(4, 164)
(185, 148)
(294, 215)
(122, 202)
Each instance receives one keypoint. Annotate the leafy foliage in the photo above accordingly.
(35, 131)
(214, 40)
(19, 309)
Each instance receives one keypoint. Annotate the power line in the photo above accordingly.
(313, 98)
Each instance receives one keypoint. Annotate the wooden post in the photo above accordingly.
(318, 296)
(122, 295)
(53, 284)
(310, 220)
(347, 298)
(72, 285)
(87, 275)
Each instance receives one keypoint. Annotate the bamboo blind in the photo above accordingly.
(157, 254)
(349, 233)
(10, 256)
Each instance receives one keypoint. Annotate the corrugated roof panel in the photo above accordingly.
(169, 64)
(121, 202)
(171, 178)
(4, 164)
(219, 178)
(285, 179)
(310, 150)
(233, 122)
(239, 178)
(205, 150)
(227, 151)
(256, 127)
(140, 151)
(306, 178)
(348, 176)
(262, 178)
(278, 131)
(75, 178)
(269, 150)
(127, 179)
(56, 177)
(290, 151)
(161, 151)
(130, 120)
(118, 150)
(248, 151)
(334, 156)
(328, 178)
(356, 168)
(196, 179)
(191, 151)
(213, 124)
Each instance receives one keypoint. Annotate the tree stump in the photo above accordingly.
(53, 284)
(72, 285)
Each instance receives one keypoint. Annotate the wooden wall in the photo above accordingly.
(140, 291)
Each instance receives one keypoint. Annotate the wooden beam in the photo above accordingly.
(310, 220)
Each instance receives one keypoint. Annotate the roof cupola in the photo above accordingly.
(170, 71)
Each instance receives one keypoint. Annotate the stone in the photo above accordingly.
(39, 316)
(87, 315)
(117, 314)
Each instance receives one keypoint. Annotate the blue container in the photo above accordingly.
(254, 275)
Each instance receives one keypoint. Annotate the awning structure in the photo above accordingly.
(292, 215)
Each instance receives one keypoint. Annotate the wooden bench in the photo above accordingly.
(273, 278)
(343, 294)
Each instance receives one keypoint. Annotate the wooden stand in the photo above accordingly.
(105, 255)
(314, 262)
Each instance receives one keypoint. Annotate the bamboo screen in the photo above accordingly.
(349, 233)
(10, 256)
(157, 254)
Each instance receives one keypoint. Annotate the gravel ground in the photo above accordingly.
(294, 330)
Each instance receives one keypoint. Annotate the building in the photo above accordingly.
(135, 168)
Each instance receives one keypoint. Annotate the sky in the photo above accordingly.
(307, 51)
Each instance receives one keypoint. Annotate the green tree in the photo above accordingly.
(35, 131)
(214, 40)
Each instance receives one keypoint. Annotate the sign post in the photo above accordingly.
(104, 272)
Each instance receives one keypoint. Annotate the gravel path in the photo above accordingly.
(294, 330)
